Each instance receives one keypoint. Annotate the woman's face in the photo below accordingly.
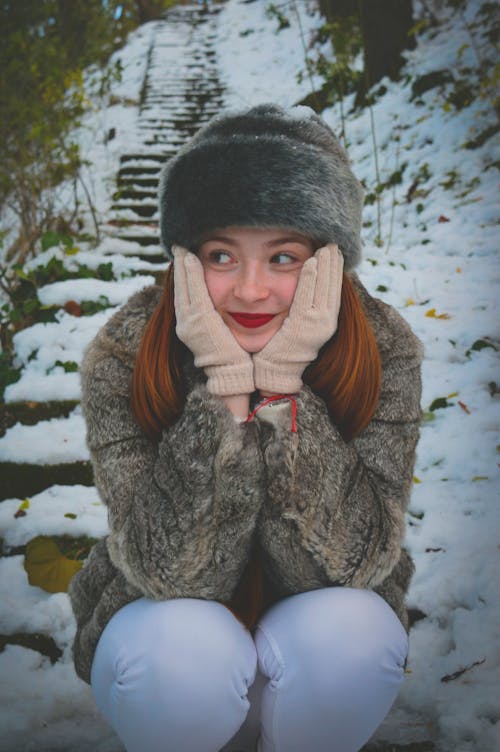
(251, 275)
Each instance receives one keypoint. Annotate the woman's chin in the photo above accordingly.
(253, 343)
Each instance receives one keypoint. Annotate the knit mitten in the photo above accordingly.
(229, 368)
(311, 321)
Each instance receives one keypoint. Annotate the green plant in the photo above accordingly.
(340, 75)
(275, 13)
(45, 47)
(479, 345)
(68, 366)
(89, 307)
(439, 403)
(8, 374)
(23, 307)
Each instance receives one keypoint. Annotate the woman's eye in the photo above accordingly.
(219, 257)
(283, 258)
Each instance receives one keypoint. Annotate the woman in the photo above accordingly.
(252, 429)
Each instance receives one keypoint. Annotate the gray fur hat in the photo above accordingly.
(263, 167)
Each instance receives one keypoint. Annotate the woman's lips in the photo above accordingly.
(252, 320)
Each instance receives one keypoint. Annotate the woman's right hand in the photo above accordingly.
(311, 321)
(229, 368)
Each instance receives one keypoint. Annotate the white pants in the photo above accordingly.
(319, 674)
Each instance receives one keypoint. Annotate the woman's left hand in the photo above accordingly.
(228, 367)
(311, 321)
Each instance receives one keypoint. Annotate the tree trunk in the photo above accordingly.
(384, 27)
(338, 8)
(149, 10)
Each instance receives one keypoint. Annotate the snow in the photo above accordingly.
(40, 347)
(270, 60)
(117, 293)
(122, 263)
(55, 386)
(46, 516)
(436, 249)
(48, 442)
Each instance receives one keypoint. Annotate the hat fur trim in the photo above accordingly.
(262, 168)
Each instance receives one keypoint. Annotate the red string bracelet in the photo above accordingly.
(275, 398)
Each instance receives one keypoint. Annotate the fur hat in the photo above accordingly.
(263, 167)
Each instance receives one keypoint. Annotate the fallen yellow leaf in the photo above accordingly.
(409, 301)
(416, 480)
(433, 315)
(47, 567)
(21, 510)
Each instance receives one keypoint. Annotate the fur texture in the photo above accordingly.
(183, 514)
(334, 512)
(262, 167)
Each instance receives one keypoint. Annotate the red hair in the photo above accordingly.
(346, 375)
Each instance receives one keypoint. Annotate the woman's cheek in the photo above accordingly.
(215, 286)
(289, 288)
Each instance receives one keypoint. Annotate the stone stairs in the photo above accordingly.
(176, 101)
(180, 93)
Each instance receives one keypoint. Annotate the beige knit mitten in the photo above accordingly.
(311, 321)
(229, 368)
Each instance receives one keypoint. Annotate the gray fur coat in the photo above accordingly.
(185, 512)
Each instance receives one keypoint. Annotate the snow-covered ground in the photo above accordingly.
(430, 250)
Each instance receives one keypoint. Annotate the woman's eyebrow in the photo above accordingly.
(284, 239)
(269, 243)
(220, 239)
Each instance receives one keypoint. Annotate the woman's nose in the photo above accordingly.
(251, 285)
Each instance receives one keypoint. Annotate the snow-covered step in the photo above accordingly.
(149, 251)
(181, 91)
(133, 170)
(22, 480)
(47, 514)
(50, 355)
(139, 181)
(143, 160)
(138, 199)
(156, 138)
(136, 194)
(49, 442)
(52, 451)
(136, 210)
(116, 292)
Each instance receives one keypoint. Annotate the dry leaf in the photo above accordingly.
(431, 313)
(47, 567)
(73, 308)
(21, 510)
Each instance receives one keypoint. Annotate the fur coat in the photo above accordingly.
(185, 512)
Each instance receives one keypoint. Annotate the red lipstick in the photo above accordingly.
(252, 320)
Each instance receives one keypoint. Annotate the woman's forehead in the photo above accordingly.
(270, 236)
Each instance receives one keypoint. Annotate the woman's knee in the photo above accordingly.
(188, 644)
(200, 631)
(337, 625)
(334, 658)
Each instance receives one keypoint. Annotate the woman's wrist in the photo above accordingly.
(263, 393)
(238, 404)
